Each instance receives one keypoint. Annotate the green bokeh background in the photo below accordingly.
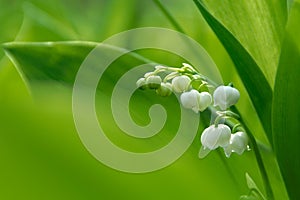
(41, 155)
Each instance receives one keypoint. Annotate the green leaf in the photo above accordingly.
(251, 74)
(252, 185)
(258, 25)
(49, 61)
(286, 107)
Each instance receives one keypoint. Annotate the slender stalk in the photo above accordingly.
(263, 171)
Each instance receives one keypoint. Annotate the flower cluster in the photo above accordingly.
(180, 81)
(194, 91)
(220, 136)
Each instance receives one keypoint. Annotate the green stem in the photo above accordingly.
(259, 160)
(256, 151)
(260, 163)
(234, 128)
(258, 156)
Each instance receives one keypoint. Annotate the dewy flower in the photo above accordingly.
(214, 137)
(238, 143)
(195, 100)
(164, 90)
(225, 96)
(181, 83)
(153, 82)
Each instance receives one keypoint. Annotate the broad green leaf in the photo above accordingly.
(258, 25)
(252, 76)
(40, 61)
(286, 107)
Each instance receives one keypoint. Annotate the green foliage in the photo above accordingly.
(286, 108)
(43, 156)
(49, 61)
(257, 25)
(253, 78)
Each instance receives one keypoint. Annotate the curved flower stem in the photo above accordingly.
(259, 160)
(260, 163)
(257, 153)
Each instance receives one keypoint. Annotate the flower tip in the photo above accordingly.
(203, 152)
(195, 109)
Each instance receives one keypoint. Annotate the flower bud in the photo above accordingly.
(187, 66)
(196, 76)
(225, 96)
(213, 137)
(148, 74)
(141, 83)
(164, 90)
(153, 82)
(238, 143)
(181, 83)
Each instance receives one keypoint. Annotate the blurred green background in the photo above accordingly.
(41, 155)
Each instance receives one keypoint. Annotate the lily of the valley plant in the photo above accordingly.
(197, 94)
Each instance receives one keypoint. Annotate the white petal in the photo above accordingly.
(228, 151)
(205, 100)
(190, 99)
(224, 138)
(239, 142)
(181, 83)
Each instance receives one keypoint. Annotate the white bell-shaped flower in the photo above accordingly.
(238, 143)
(214, 137)
(225, 96)
(191, 100)
(195, 100)
(181, 83)
(153, 82)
